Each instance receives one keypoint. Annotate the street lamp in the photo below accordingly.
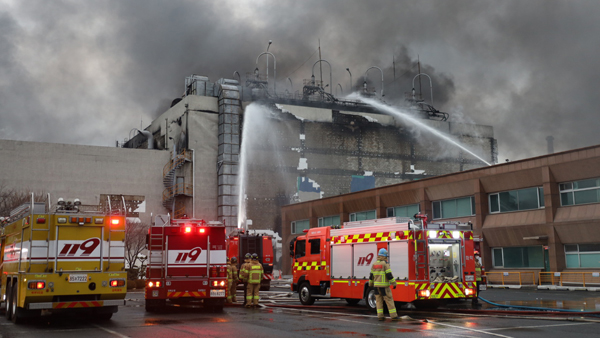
(348, 69)
(341, 89)
(274, 69)
(430, 85)
(381, 78)
(330, 77)
(291, 85)
(269, 45)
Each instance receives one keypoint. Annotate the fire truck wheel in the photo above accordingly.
(305, 294)
(103, 316)
(155, 305)
(370, 299)
(8, 303)
(352, 301)
(16, 315)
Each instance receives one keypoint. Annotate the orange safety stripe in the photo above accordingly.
(71, 305)
(186, 294)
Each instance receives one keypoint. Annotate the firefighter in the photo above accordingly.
(475, 300)
(244, 274)
(255, 275)
(232, 280)
(381, 277)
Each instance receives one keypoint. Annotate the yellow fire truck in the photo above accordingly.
(67, 258)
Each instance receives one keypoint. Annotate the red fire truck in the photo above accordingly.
(431, 263)
(240, 243)
(187, 263)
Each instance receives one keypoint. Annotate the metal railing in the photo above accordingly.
(178, 189)
(176, 162)
(511, 278)
(584, 278)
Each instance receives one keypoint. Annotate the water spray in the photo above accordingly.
(389, 110)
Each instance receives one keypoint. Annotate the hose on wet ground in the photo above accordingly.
(536, 308)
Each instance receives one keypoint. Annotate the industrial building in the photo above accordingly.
(537, 214)
(299, 147)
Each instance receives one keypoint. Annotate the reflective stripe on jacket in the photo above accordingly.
(379, 272)
(232, 273)
(244, 271)
(478, 270)
(255, 273)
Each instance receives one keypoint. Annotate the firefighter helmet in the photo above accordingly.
(476, 253)
(248, 255)
(233, 260)
(254, 256)
(383, 252)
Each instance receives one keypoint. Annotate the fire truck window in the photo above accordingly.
(300, 248)
(315, 246)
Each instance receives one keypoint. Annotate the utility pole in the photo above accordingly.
(419, 72)
(394, 65)
(320, 63)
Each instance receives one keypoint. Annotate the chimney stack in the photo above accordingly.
(550, 141)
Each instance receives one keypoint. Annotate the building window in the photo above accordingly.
(518, 257)
(583, 255)
(329, 221)
(517, 200)
(457, 207)
(299, 226)
(403, 211)
(580, 192)
(363, 216)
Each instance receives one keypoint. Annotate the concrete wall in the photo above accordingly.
(84, 172)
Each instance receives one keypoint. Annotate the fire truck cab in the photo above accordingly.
(431, 263)
(187, 265)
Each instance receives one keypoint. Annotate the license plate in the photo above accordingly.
(217, 293)
(482, 287)
(78, 278)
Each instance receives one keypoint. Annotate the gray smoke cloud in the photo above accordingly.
(89, 72)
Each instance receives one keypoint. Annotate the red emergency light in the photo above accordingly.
(187, 229)
(36, 285)
(201, 230)
(115, 221)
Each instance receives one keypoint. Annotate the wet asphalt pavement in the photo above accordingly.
(332, 318)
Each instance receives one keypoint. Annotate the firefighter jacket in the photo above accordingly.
(381, 274)
(244, 271)
(477, 270)
(255, 273)
(232, 273)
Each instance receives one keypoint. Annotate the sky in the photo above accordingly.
(87, 72)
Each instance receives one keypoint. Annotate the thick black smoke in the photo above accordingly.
(88, 72)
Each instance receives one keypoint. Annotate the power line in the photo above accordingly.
(310, 57)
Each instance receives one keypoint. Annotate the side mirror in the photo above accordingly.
(292, 242)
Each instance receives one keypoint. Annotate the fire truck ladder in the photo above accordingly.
(111, 231)
(420, 255)
(46, 243)
(157, 244)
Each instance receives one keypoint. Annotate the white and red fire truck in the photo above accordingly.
(187, 263)
(240, 243)
(431, 263)
(66, 258)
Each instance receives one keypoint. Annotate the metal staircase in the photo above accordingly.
(172, 189)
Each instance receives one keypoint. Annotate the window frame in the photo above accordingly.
(441, 209)
(393, 209)
(572, 191)
(503, 266)
(352, 215)
(294, 223)
(499, 202)
(579, 253)
(321, 220)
